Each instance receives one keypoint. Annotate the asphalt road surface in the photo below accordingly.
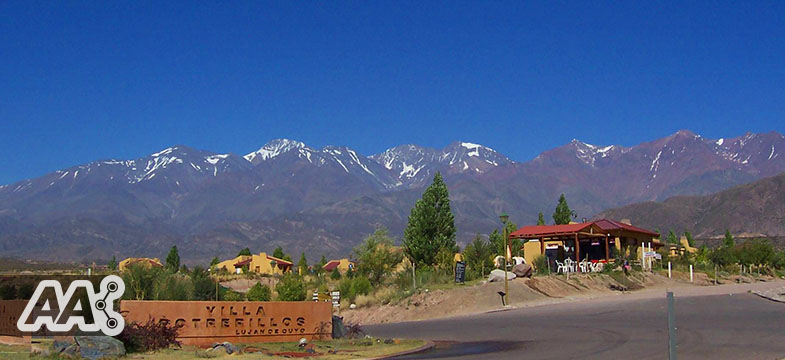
(737, 326)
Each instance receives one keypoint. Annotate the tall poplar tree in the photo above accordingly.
(563, 214)
(431, 224)
(173, 260)
(540, 219)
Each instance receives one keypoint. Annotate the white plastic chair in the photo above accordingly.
(560, 267)
(570, 265)
(584, 266)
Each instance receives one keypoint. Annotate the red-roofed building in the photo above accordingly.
(343, 265)
(599, 240)
(261, 263)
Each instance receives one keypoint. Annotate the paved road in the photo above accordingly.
(737, 326)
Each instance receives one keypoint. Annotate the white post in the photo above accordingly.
(690, 273)
(669, 269)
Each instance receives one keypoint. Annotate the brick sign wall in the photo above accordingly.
(207, 322)
(10, 310)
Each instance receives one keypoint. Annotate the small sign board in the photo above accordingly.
(336, 295)
(460, 271)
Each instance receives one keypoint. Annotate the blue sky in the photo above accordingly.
(80, 83)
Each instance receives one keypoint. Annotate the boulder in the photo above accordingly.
(99, 347)
(516, 260)
(224, 347)
(522, 270)
(498, 275)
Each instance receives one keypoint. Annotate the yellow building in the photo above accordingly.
(261, 264)
(147, 262)
(343, 265)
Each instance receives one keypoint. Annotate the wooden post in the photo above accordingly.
(577, 248)
(542, 246)
(607, 249)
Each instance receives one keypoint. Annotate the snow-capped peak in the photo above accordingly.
(589, 153)
(274, 148)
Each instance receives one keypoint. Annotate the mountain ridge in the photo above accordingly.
(325, 200)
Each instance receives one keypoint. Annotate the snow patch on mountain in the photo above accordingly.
(275, 148)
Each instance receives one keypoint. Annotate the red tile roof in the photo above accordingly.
(540, 230)
(242, 263)
(280, 261)
(607, 225)
(332, 264)
(611, 225)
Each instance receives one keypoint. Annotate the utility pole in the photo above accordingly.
(504, 217)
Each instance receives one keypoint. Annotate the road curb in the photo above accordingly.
(778, 299)
(428, 345)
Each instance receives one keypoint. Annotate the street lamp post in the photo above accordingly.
(504, 217)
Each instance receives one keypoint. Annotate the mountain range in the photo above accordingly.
(750, 210)
(323, 201)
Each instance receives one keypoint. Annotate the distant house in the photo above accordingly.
(146, 262)
(260, 264)
(343, 265)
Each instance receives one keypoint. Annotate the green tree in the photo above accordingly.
(203, 285)
(431, 225)
(728, 240)
(477, 255)
(499, 244)
(376, 256)
(259, 292)
(244, 252)
(173, 260)
(290, 288)
(112, 263)
(231, 295)
(302, 264)
(335, 274)
(672, 238)
(214, 262)
(690, 241)
(140, 282)
(562, 215)
(278, 253)
(540, 219)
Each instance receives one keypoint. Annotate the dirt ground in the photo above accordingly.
(523, 293)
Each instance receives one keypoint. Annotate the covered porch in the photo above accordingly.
(596, 241)
(584, 241)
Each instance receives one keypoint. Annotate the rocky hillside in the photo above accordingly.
(756, 208)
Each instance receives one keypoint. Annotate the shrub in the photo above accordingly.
(351, 288)
(541, 265)
(291, 288)
(7, 292)
(364, 300)
(335, 274)
(259, 292)
(361, 286)
(150, 336)
(723, 256)
(345, 287)
(232, 295)
(170, 286)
